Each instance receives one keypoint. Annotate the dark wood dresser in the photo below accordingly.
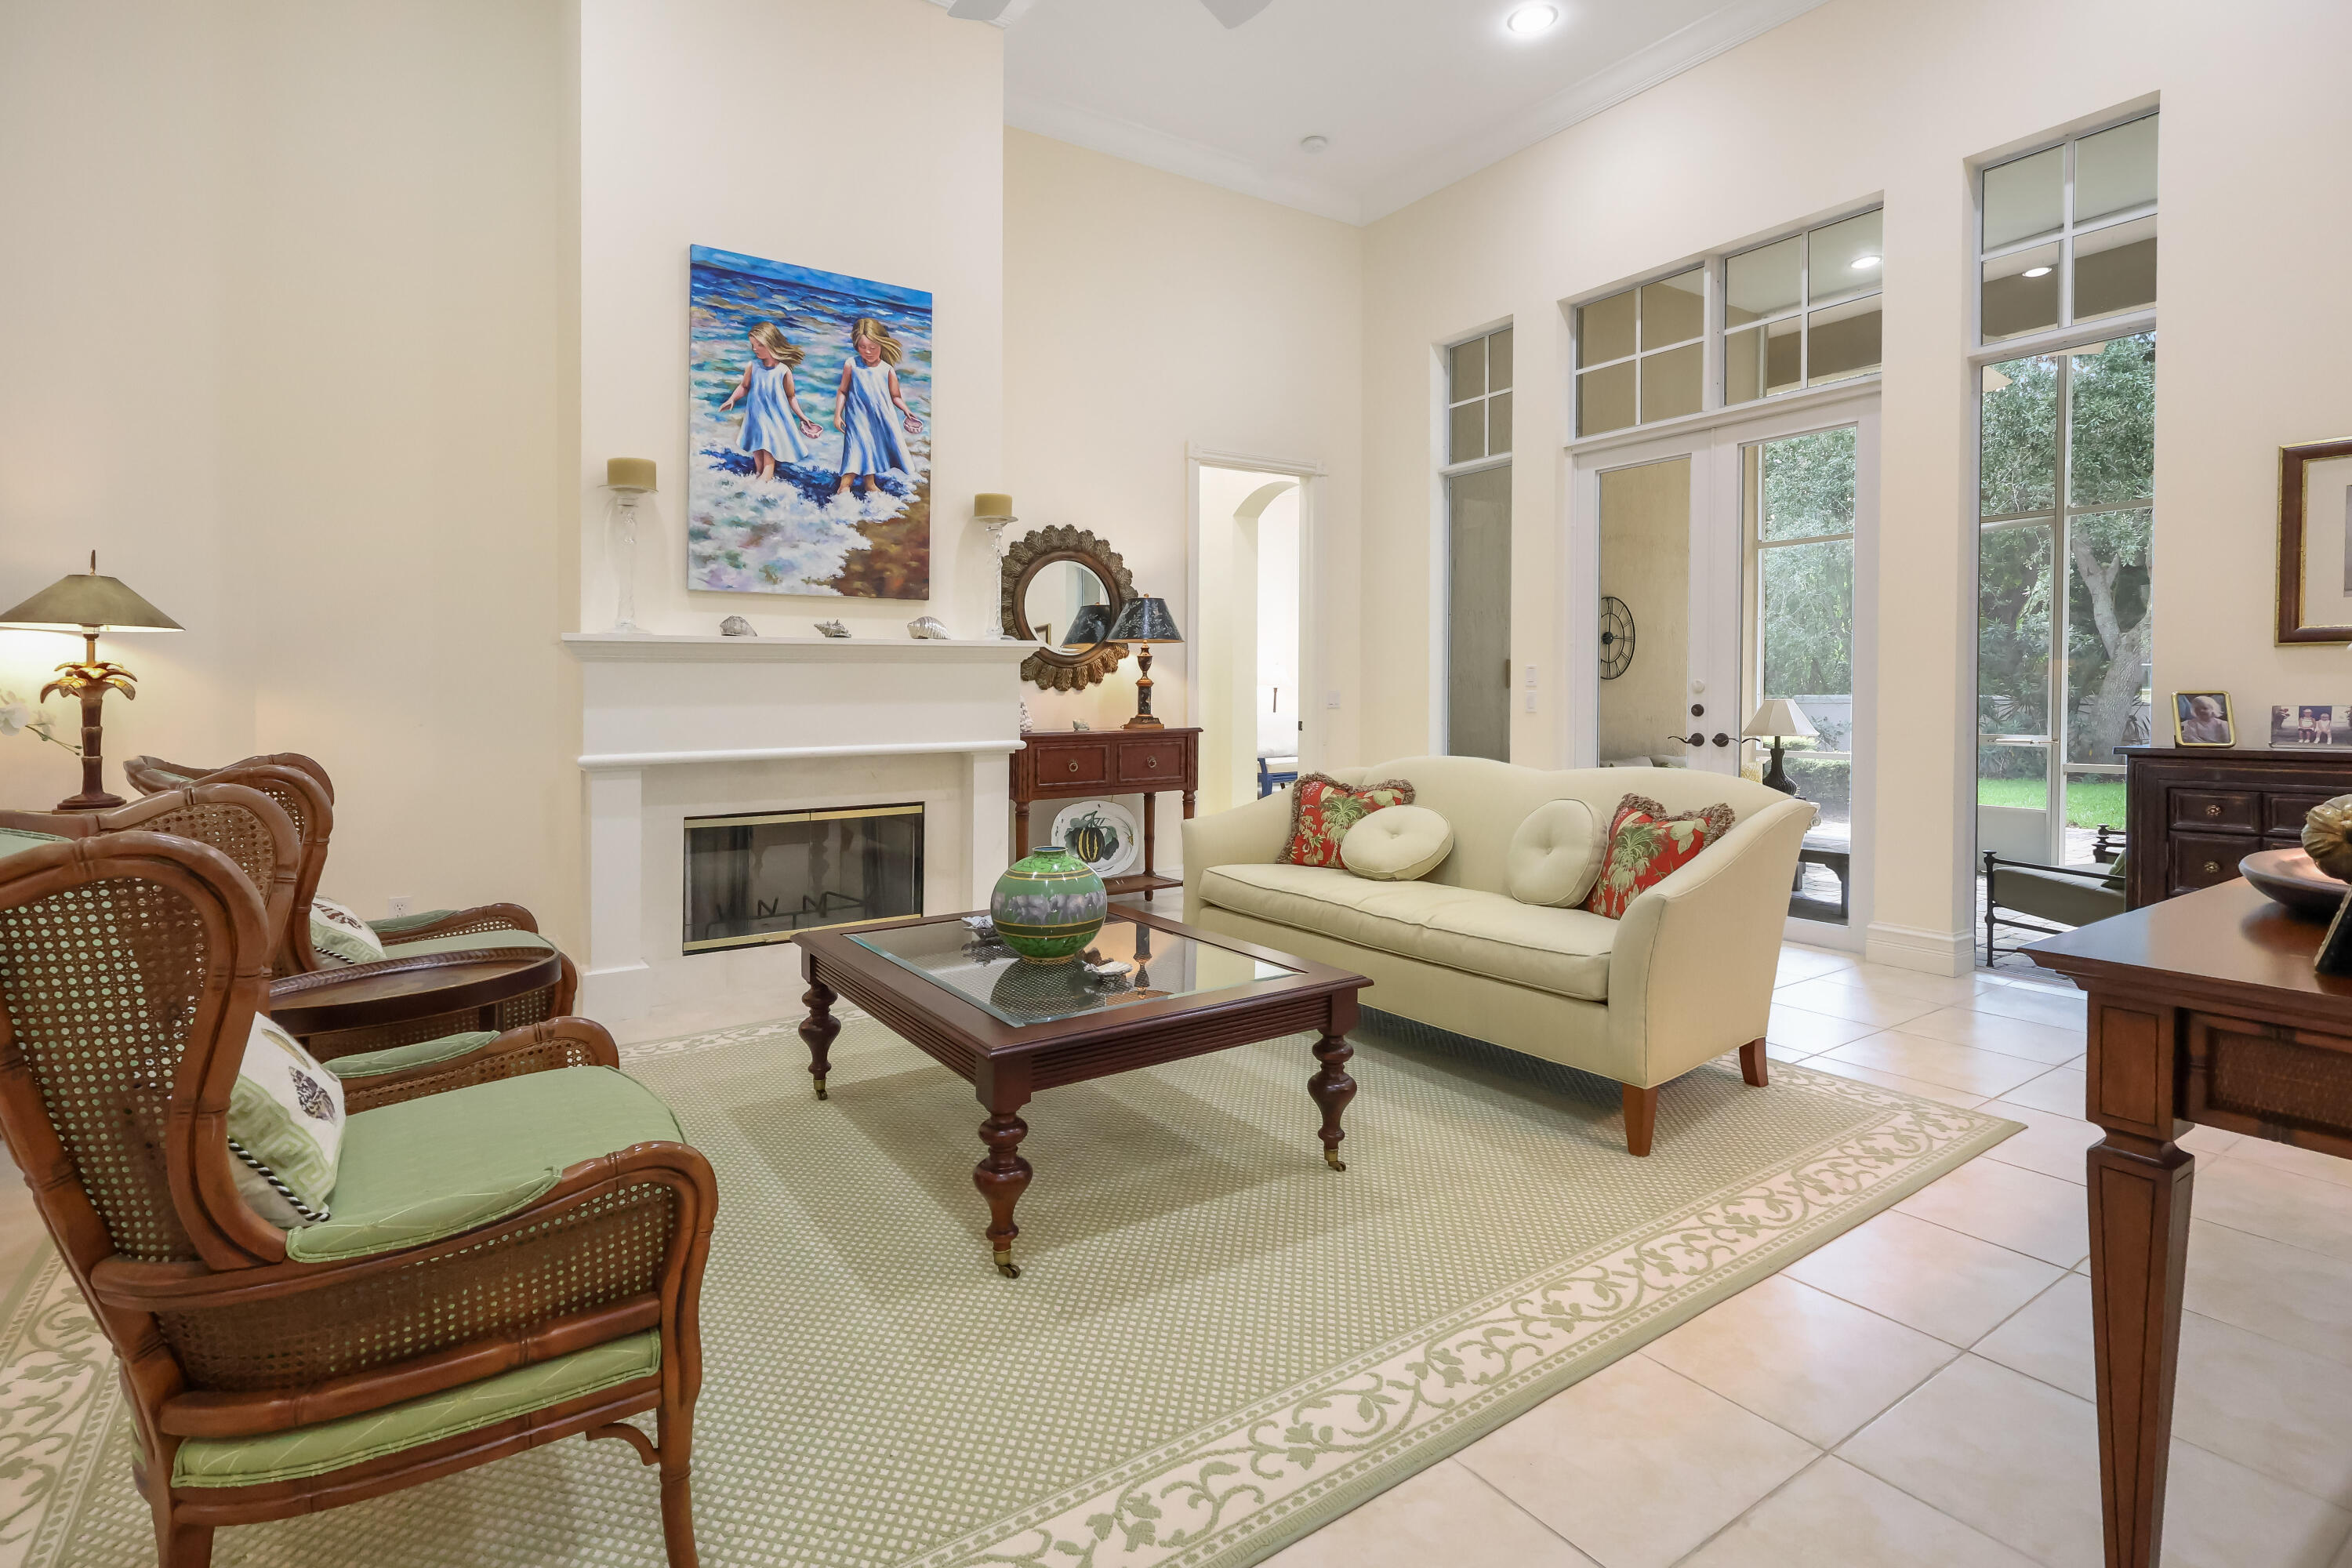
(1062, 764)
(2192, 813)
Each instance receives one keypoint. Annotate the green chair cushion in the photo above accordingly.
(437, 1166)
(373, 1064)
(469, 941)
(2046, 895)
(314, 1451)
(392, 926)
(15, 841)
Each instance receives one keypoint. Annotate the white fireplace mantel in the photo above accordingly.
(783, 706)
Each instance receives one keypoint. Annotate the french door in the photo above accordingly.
(1715, 569)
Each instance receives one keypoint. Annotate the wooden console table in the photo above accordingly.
(2193, 812)
(1062, 764)
(2203, 1008)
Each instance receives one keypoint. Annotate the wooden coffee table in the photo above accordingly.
(1011, 1028)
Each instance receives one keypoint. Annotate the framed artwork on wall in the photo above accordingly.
(809, 425)
(2314, 543)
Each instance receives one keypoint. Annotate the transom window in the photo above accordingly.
(1641, 356)
(2069, 233)
(1803, 310)
(1479, 398)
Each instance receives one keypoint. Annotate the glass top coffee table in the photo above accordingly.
(1150, 991)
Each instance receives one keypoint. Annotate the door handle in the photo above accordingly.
(1721, 738)
(1693, 738)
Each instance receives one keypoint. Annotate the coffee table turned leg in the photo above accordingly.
(1001, 1178)
(818, 1029)
(1332, 1088)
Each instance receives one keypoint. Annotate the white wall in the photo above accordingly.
(1856, 100)
(281, 307)
(1144, 312)
(858, 136)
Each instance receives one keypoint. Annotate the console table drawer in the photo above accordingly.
(2284, 814)
(2221, 810)
(1060, 765)
(1151, 761)
(2203, 860)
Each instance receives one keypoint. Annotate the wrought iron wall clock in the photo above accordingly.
(1616, 638)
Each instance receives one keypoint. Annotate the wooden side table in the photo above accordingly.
(1062, 764)
(2203, 1009)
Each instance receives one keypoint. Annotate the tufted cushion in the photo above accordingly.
(1397, 844)
(1554, 856)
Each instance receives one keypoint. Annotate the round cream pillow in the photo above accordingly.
(1397, 844)
(1555, 856)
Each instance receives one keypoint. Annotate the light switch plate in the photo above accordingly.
(1331, 700)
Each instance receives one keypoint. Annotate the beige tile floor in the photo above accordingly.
(1916, 1393)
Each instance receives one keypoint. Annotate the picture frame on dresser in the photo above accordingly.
(2314, 543)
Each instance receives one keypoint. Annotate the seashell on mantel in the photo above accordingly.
(831, 629)
(928, 628)
(736, 627)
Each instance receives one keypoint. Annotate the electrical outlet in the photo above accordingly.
(1531, 701)
(401, 905)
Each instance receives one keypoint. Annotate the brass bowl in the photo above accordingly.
(2288, 877)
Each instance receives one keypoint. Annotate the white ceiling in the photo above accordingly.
(1413, 94)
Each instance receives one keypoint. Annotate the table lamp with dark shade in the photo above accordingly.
(88, 603)
(1144, 620)
(1090, 626)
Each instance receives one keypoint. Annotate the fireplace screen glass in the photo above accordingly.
(760, 877)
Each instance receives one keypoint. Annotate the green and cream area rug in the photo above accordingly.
(1216, 1345)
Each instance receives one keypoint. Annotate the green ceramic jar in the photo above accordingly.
(1048, 906)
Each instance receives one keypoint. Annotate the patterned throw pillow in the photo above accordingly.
(1322, 809)
(1646, 845)
(285, 1129)
(339, 934)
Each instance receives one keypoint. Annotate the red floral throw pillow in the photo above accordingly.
(1322, 809)
(1645, 846)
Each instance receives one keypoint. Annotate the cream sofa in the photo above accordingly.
(1684, 977)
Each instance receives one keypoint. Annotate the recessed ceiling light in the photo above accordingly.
(1864, 263)
(1530, 20)
(1313, 143)
(2037, 272)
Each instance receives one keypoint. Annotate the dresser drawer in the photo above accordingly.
(2216, 810)
(2204, 861)
(1060, 767)
(1151, 763)
(2283, 814)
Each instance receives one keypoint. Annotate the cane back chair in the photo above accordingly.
(514, 1254)
(445, 937)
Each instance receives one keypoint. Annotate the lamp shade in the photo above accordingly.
(1145, 619)
(87, 599)
(1090, 626)
(1777, 717)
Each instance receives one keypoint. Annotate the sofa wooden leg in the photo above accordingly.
(1641, 1118)
(1751, 1064)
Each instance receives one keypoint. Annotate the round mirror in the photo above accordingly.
(1062, 588)
(1055, 604)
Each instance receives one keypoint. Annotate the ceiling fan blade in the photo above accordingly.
(1234, 12)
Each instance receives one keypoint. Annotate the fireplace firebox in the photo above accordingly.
(759, 877)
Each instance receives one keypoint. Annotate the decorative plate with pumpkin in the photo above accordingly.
(1102, 833)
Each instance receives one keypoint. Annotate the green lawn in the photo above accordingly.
(2089, 801)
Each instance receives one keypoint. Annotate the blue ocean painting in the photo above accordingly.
(784, 406)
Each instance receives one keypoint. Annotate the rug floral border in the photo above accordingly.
(1235, 1494)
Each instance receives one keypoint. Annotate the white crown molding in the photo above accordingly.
(1177, 155)
(1712, 35)
(1718, 32)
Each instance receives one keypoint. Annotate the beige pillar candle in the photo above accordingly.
(629, 473)
(990, 504)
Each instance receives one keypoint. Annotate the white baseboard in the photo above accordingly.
(1914, 947)
(616, 994)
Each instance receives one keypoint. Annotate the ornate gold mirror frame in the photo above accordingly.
(1055, 669)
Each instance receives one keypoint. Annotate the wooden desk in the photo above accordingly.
(2203, 1008)
(1067, 764)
